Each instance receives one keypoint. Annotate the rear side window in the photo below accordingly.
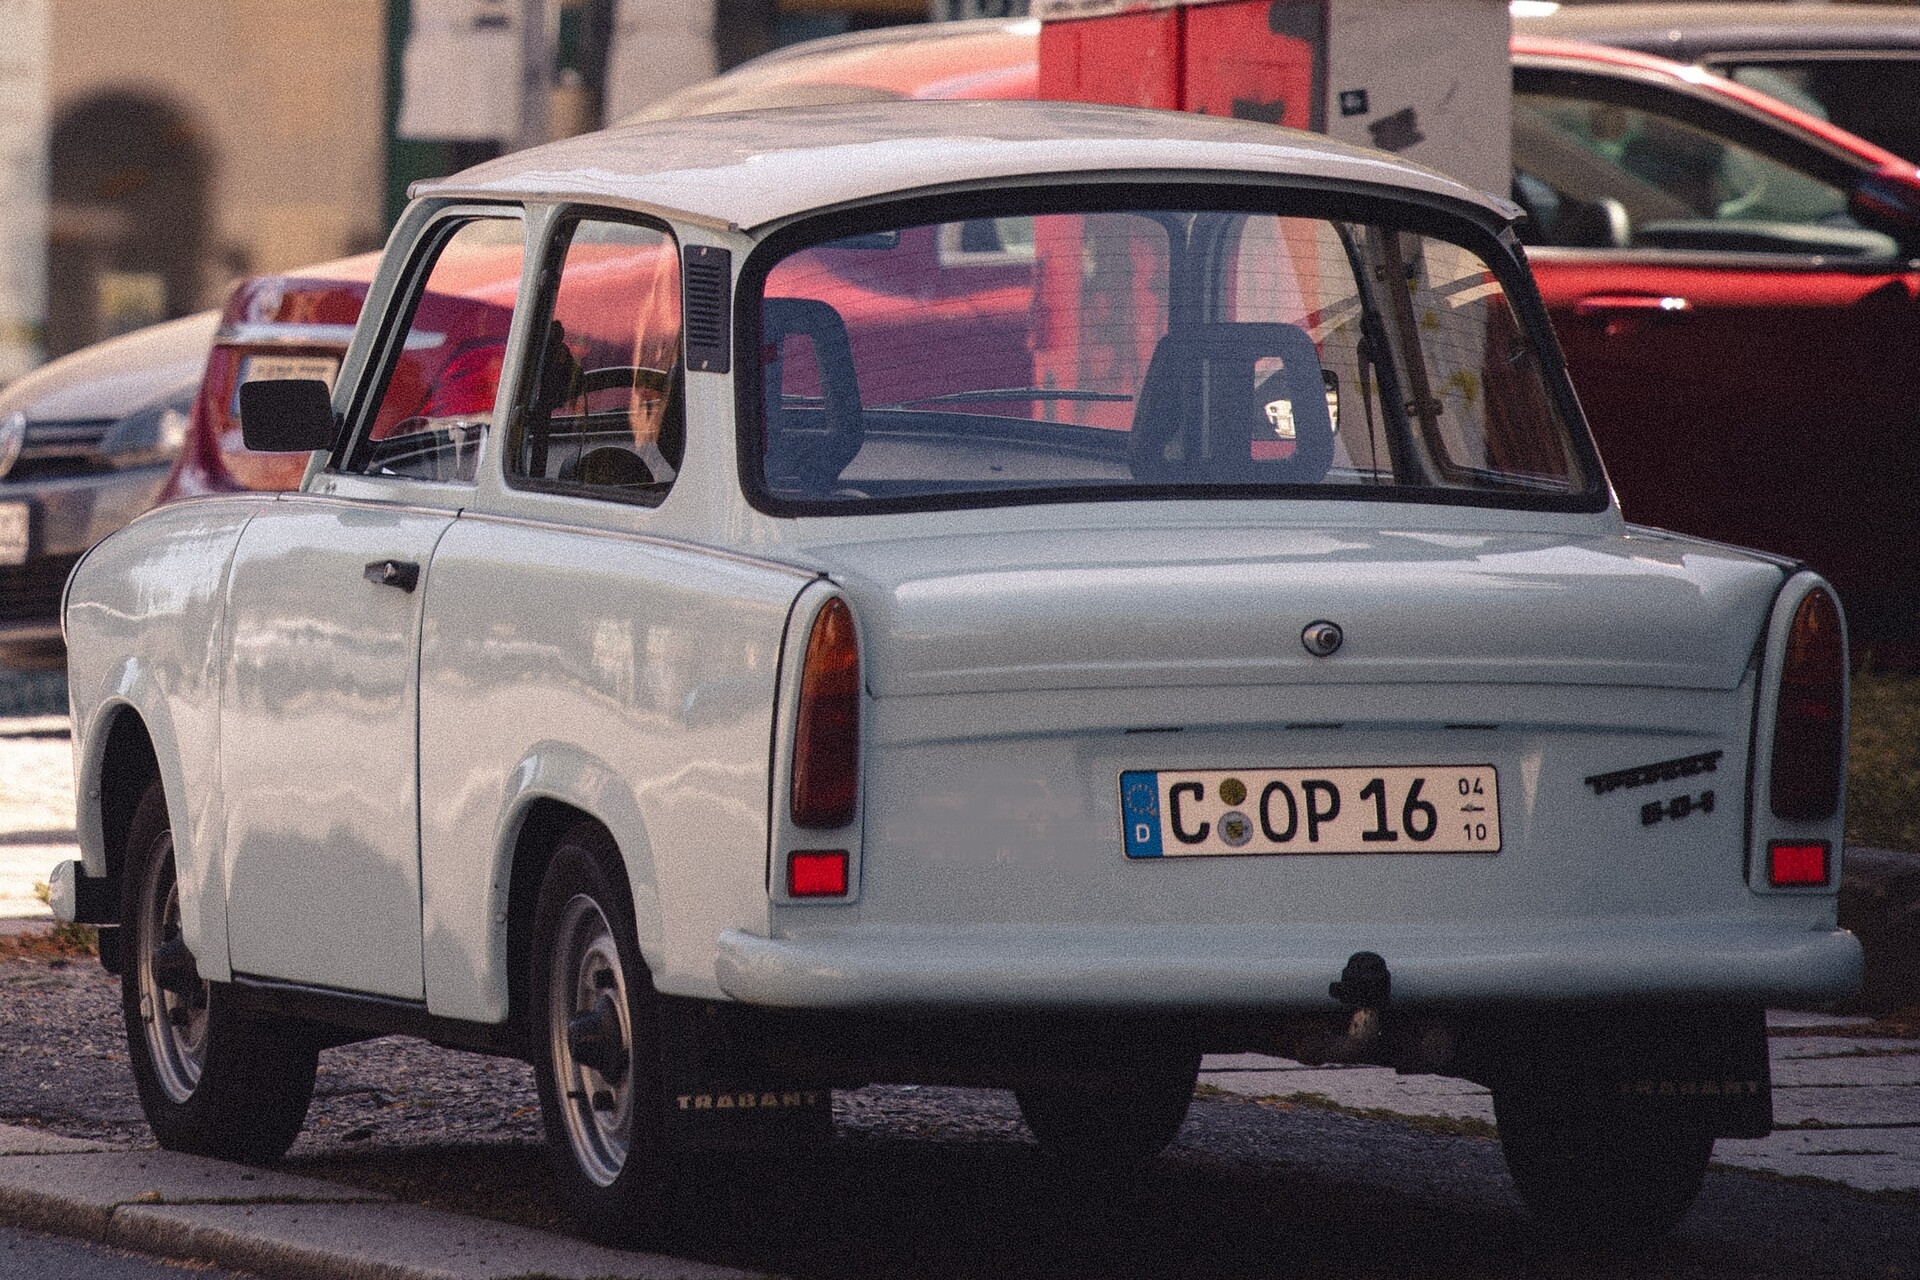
(603, 413)
(1868, 94)
(441, 378)
(1132, 351)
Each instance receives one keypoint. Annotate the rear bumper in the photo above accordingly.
(1146, 968)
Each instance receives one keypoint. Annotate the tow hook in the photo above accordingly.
(1366, 987)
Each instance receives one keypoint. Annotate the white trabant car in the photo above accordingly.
(1000, 593)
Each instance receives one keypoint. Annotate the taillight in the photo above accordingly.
(1809, 746)
(826, 744)
(817, 873)
(1802, 863)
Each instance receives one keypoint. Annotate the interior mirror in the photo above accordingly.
(286, 415)
(1889, 201)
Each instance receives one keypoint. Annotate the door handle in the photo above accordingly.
(404, 574)
(1619, 313)
(1603, 304)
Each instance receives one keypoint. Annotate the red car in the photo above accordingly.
(1729, 277)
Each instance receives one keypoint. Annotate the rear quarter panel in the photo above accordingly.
(633, 678)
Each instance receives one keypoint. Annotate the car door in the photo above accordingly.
(319, 711)
(1736, 338)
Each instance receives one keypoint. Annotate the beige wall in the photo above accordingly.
(287, 98)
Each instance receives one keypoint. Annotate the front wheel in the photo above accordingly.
(1601, 1182)
(1111, 1118)
(211, 1081)
(595, 1041)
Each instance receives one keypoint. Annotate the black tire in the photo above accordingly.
(594, 1030)
(211, 1081)
(1604, 1183)
(1112, 1118)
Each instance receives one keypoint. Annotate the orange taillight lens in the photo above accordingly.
(826, 743)
(1809, 743)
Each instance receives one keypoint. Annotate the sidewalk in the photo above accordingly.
(1846, 1107)
(36, 810)
(291, 1228)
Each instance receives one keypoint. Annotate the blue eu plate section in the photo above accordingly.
(1140, 813)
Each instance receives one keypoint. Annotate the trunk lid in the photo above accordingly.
(1058, 609)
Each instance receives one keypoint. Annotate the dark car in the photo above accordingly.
(85, 445)
(1857, 65)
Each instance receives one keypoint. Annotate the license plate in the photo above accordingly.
(16, 527)
(321, 368)
(1446, 808)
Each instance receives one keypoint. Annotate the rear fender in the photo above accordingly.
(467, 966)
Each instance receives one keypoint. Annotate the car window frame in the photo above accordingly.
(541, 288)
(1282, 196)
(1776, 140)
(396, 321)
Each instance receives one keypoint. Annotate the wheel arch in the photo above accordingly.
(544, 824)
(558, 789)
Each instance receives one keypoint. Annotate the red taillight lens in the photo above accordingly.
(817, 873)
(1796, 864)
(826, 744)
(1809, 746)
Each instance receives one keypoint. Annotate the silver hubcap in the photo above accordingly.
(591, 1040)
(172, 1011)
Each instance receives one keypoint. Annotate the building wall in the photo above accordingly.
(273, 108)
(23, 184)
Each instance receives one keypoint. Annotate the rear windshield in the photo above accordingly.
(1141, 352)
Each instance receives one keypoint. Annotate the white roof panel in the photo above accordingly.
(753, 168)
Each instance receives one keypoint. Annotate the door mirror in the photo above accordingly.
(1889, 201)
(286, 415)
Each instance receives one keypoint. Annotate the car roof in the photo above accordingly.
(1693, 32)
(753, 168)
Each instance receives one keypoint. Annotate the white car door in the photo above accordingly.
(320, 704)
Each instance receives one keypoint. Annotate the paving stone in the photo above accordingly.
(21, 866)
(1782, 1047)
(1786, 1019)
(395, 1242)
(17, 1140)
(77, 1194)
(1246, 1062)
(1874, 1104)
(1870, 1159)
(1846, 1072)
(1365, 1088)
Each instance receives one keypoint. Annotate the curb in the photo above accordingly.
(193, 1209)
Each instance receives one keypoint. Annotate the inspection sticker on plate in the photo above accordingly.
(1445, 808)
(16, 526)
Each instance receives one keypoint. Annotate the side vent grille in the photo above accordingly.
(709, 277)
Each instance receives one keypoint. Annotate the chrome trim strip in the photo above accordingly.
(258, 333)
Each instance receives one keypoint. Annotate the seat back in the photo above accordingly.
(1209, 411)
(809, 440)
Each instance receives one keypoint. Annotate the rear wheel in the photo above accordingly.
(1112, 1117)
(1600, 1181)
(595, 1040)
(211, 1081)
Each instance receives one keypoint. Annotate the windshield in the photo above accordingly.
(1150, 352)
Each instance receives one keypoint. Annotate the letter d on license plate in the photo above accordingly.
(1451, 808)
